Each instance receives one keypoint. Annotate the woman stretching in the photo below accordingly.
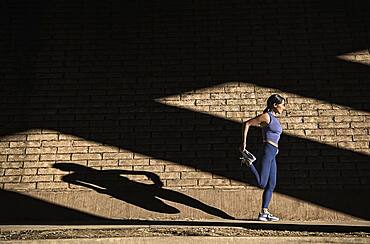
(271, 131)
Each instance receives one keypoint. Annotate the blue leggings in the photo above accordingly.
(267, 178)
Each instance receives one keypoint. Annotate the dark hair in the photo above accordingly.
(276, 98)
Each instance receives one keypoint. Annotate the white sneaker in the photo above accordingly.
(248, 158)
(267, 217)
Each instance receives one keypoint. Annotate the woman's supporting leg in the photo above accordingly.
(267, 193)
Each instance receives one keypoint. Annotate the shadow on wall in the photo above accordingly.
(98, 79)
(22, 209)
(147, 196)
(32, 211)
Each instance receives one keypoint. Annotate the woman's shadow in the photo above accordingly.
(147, 196)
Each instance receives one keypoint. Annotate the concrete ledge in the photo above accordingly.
(70, 206)
(227, 231)
(310, 226)
(203, 240)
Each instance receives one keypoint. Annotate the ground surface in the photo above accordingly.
(74, 233)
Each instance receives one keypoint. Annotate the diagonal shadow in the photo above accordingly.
(20, 209)
(98, 79)
(185, 46)
(147, 196)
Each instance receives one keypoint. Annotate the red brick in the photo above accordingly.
(298, 126)
(8, 165)
(117, 168)
(58, 178)
(352, 131)
(68, 137)
(178, 168)
(93, 163)
(188, 103)
(86, 156)
(361, 138)
(193, 96)
(240, 101)
(218, 114)
(4, 144)
(182, 182)
(195, 175)
(333, 125)
(85, 144)
(19, 186)
(333, 112)
(302, 113)
(317, 119)
(354, 145)
(316, 106)
(52, 185)
(233, 108)
(10, 178)
(137, 162)
(214, 182)
(12, 151)
(50, 171)
(55, 157)
(205, 108)
(37, 164)
(41, 150)
(101, 149)
(28, 157)
(28, 171)
(154, 161)
(16, 138)
(210, 102)
(230, 187)
(42, 137)
(360, 125)
(27, 144)
(150, 168)
(118, 155)
(169, 175)
(240, 114)
(359, 113)
(295, 132)
(349, 118)
(248, 91)
(56, 143)
(141, 156)
(336, 138)
(37, 178)
(256, 108)
(72, 149)
(299, 100)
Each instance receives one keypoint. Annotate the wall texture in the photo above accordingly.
(149, 97)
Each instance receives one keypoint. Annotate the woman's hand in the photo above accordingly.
(155, 178)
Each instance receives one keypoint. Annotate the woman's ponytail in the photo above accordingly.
(273, 99)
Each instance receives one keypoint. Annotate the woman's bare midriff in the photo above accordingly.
(272, 143)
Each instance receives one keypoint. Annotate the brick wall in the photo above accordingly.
(163, 87)
(326, 130)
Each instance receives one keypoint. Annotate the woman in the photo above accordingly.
(271, 131)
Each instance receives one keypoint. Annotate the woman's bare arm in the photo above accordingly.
(258, 121)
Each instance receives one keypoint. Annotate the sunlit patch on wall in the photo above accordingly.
(362, 57)
(307, 118)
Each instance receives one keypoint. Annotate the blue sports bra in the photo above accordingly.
(273, 130)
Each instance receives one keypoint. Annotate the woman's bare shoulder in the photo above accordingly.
(260, 120)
